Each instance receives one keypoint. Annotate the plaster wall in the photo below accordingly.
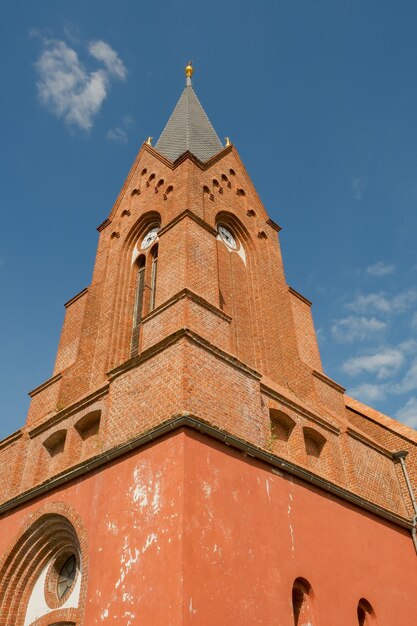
(188, 531)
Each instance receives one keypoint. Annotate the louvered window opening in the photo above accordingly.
(153, 280)
(138, 314)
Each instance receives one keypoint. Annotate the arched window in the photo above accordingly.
(139, 297)
(154, 267)
(302, 603)
(140, 290)
(44, 574)
(366, 614)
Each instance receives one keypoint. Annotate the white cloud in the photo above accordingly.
(408, 413)
(101, 51)
(368, 392)
(355, 328)
(408, 346)
(359, 185)
(321, 335)
(383, 364)
(68, 89)
(381, 303)
(119, 135)
(380, 269)
(409, 380)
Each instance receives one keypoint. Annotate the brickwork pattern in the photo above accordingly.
(224, 321)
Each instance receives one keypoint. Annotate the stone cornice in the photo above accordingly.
(11, 439)
(191, 215)
(273, 224)
(384, 421)
(64, 413)
(79, 295)
(321, 421)
(299, 296)
(187, 155)
(44, 385)
(187, 293)
(369, 442)
(328, 381)
(103, 225)
(277, 465)
(182, 333)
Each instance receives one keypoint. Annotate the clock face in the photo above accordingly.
(227, 237)
(150, 237)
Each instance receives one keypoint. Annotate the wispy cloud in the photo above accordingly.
(408, 413)
(356, 328)
(359, 185)
(101, 51)
(119, 134)
(369, 392)
(68, 89)
(380, 269)
(383, 364)
(382, 303)
(409, 381)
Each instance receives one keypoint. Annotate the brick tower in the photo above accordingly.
(189, 462)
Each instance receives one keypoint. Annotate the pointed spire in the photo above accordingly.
(188, 128)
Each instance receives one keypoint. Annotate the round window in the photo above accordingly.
(66, 576)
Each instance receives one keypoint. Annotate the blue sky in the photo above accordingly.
(318, 96)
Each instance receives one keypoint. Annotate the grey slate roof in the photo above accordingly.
(188, 128)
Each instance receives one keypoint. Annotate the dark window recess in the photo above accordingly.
(301, 603)
(366, 615)
(138, 313)
(153, 278)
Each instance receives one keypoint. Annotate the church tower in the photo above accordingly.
(189, 462)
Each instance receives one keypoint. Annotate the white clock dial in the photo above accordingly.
(149, 238)
(227, 237)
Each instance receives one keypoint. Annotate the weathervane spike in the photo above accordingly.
(188, 73)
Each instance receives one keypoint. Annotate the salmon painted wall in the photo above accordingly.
(188, 531)
(132, 513)
(250, 533)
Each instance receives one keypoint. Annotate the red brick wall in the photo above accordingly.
(237, 324)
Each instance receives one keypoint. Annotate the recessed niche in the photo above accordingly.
(314, 442)
(89, 425)
(55, 443)
(281, 425)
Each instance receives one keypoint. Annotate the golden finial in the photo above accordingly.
(189, 69)
(149, 141)
(228, 142)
